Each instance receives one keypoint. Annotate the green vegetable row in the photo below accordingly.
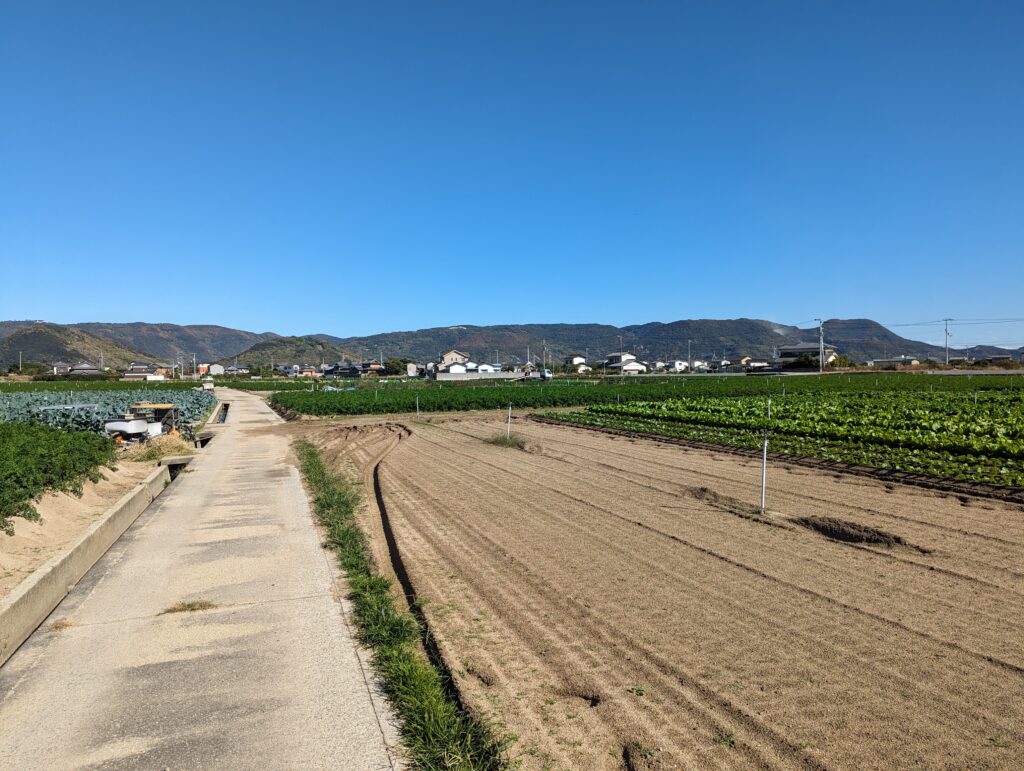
(481, 395)
(977, 437)
(36, 459)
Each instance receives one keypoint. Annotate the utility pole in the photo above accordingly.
(947, 338)
(19, 361)
(195, 371)
(821, 345)
(689, 356)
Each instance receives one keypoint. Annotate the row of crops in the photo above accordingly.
(87, 410)
(976, 436)
(35, 459)
(570, 393)
(80, 386)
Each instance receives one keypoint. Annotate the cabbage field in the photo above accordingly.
(976, 436)
(86, 410)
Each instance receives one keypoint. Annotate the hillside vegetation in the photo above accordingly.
(46, 343)
(290, 350)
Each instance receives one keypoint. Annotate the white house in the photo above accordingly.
(618, 359)
(658, 366)
(574, 360)
(455, 368)
(484, 368)
(215, 369)
(632, 367)
(677, 366)
(583, 369)
(412, 369)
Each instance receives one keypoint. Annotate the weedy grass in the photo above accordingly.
(161, 447)
(436, 731)
(508, 440)
(188, 607)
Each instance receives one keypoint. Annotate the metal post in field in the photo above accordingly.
(764, 468)
(417, 405)
(508, 431)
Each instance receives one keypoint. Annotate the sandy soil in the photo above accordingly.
(616, 603)
(63, 519)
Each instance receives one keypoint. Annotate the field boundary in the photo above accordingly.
(952, 486)
(437, 730)
(31, 601)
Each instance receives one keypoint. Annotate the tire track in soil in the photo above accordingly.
(893, 674)
(955, 487)
(733, 505)
(1017, 669)
(709, 712)
(455, 547)
(860, 481)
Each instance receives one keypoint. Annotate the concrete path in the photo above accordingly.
(270, 678)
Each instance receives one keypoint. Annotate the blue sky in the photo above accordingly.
(362, 167)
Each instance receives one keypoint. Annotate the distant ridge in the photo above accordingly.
(861, 339)
(42, 343)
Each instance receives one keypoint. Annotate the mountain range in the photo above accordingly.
(43, 342)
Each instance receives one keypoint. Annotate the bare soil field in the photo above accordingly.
(618, 602)
(63, 518)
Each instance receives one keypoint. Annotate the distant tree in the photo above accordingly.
(803, 361)
(395, 366)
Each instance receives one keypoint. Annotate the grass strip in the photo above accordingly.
(437, 733)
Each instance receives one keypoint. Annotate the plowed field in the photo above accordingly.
(618, 602)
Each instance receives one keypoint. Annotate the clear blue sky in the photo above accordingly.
(361, 167)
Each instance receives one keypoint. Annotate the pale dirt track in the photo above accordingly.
(611, 602)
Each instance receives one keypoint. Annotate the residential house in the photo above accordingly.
(215, 370)
(618, 359)
(84, 368)
(235, 370)
(452, 357)
(677, 365)
(791, 353)
(630, 367)
(574, 360)
(60, 368)
(894, 361)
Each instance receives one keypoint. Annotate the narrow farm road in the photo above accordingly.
(268, 677)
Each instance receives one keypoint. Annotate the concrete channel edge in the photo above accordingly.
(22, 611)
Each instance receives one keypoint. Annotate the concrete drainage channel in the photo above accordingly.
(219, 417)
(24, 609)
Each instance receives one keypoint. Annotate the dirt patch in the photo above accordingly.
(598, 600)
(63, 518)
(852, 532)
